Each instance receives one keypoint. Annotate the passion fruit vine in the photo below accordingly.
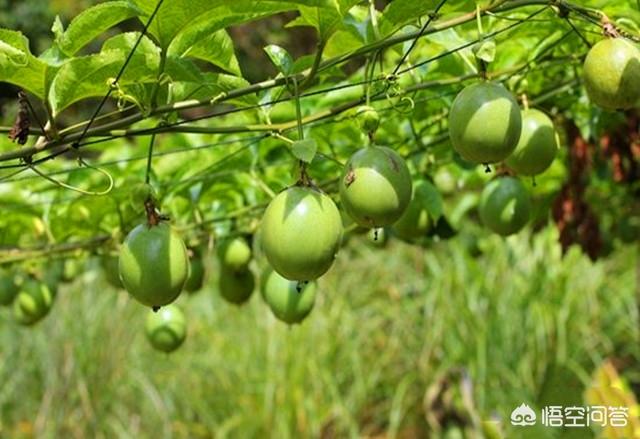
(301, 232)
(166, 329)
(505, 206)
(612, 74)
(485, 123)
(375, 188)
(290, 301)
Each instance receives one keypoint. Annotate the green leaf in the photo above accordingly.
(191, 83)
(280, 58)
(432, 199)
(18, 66)
(326, 19)
(304, 150)
(401, 12)
(214, 47)
(91, 76)
(485, 50)
(93, 22)
(57, 28)
(178, 16)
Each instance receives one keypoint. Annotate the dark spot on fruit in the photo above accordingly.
(299, 286)
(375, 234)
(394, 163)
(155, 308)
(350, 177)
(487, 169)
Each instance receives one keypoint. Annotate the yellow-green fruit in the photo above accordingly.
(290, 301)
(505, 205)
(301, 233)
(419, 218)
(485, 123)
(8, 287)
(154, 265)
(234, 254)
(33, 302)
(236, 286)
(166, 329)
(537, 147)
(375, 188)
(612, 74)
(195, 281)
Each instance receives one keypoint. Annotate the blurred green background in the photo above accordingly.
(430, 340)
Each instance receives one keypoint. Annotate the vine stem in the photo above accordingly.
(286, 126)
(147, 175)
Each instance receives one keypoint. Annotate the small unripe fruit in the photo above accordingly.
(417, 220)
(33, 302)
(485, 123)
(236, 286)
(505, 205)
(141, 193)
(8, 287)
(111, 270)
(234, 254)
(290, 301)
(166, 329)
(195, 281)
(368, 119)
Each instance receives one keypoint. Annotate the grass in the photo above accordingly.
(404, 342)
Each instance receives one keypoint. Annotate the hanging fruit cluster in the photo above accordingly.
(302, 228)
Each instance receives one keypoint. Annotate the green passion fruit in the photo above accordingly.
(375, 188)
(485, 123)
(195, 281)
(32, 303)
(612, 74)
(166, 329)
(234, 254)
(154, 265)
(236, 286)
(111, 271)
(537, 147)
(301, 232)
(419, 218)
(8, 287)
(505, 205)
(290, 301)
